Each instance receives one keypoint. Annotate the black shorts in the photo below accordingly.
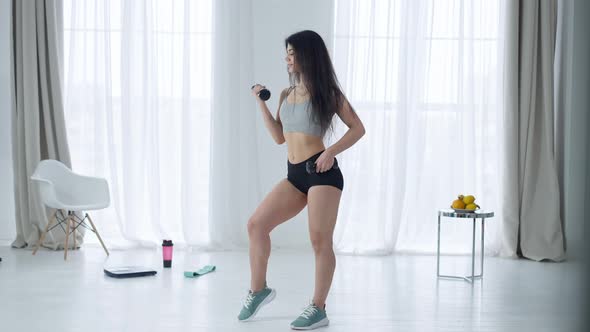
(298, 175)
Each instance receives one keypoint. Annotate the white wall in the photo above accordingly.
(7, 226)
(576, 134)
(581, 109)
(275, 20)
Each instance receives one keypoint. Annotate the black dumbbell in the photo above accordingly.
(264, 94)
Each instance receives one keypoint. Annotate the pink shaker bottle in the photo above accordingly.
(167, 252)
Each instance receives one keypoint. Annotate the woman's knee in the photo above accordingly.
(257, 226)
(321, 243)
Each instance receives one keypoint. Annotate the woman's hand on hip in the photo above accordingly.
(324, 162)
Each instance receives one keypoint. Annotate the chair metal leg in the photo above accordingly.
(42, 237)
(98, 235)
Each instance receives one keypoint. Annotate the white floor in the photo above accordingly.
(395, 293)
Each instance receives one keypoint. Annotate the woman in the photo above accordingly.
(304, 116)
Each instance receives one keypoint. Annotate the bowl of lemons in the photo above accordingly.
(465, 203)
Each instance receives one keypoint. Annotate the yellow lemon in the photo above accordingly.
(468, 199)
(471, 207)
(458, 204)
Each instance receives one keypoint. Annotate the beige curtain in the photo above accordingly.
(38, 126)
(532, 226)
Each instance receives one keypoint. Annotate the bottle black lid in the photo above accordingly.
(167, 243)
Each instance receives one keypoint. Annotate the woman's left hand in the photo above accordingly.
(324, 162)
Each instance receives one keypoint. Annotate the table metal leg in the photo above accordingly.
(482, 232)
(473, 251)
(469, 278)
(438, 250)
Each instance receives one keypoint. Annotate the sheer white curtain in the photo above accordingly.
(137, 96)
(425, 77)
(234, 190)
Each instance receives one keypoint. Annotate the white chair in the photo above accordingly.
(64, 190)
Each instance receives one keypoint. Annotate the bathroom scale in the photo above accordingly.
(128, 271)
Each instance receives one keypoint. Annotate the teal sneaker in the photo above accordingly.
(254, 301)
(311, 318)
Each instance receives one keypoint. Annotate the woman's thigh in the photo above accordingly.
(281, 204)
(322, 208)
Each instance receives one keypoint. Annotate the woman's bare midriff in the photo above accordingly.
(301, 146)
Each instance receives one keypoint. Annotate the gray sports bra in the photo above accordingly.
(298, 118)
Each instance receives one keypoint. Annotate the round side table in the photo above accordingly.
(450, 213)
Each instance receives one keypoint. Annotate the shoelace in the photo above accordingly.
(309, 311)
(249, 300)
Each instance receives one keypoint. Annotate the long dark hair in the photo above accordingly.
(311, 55)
